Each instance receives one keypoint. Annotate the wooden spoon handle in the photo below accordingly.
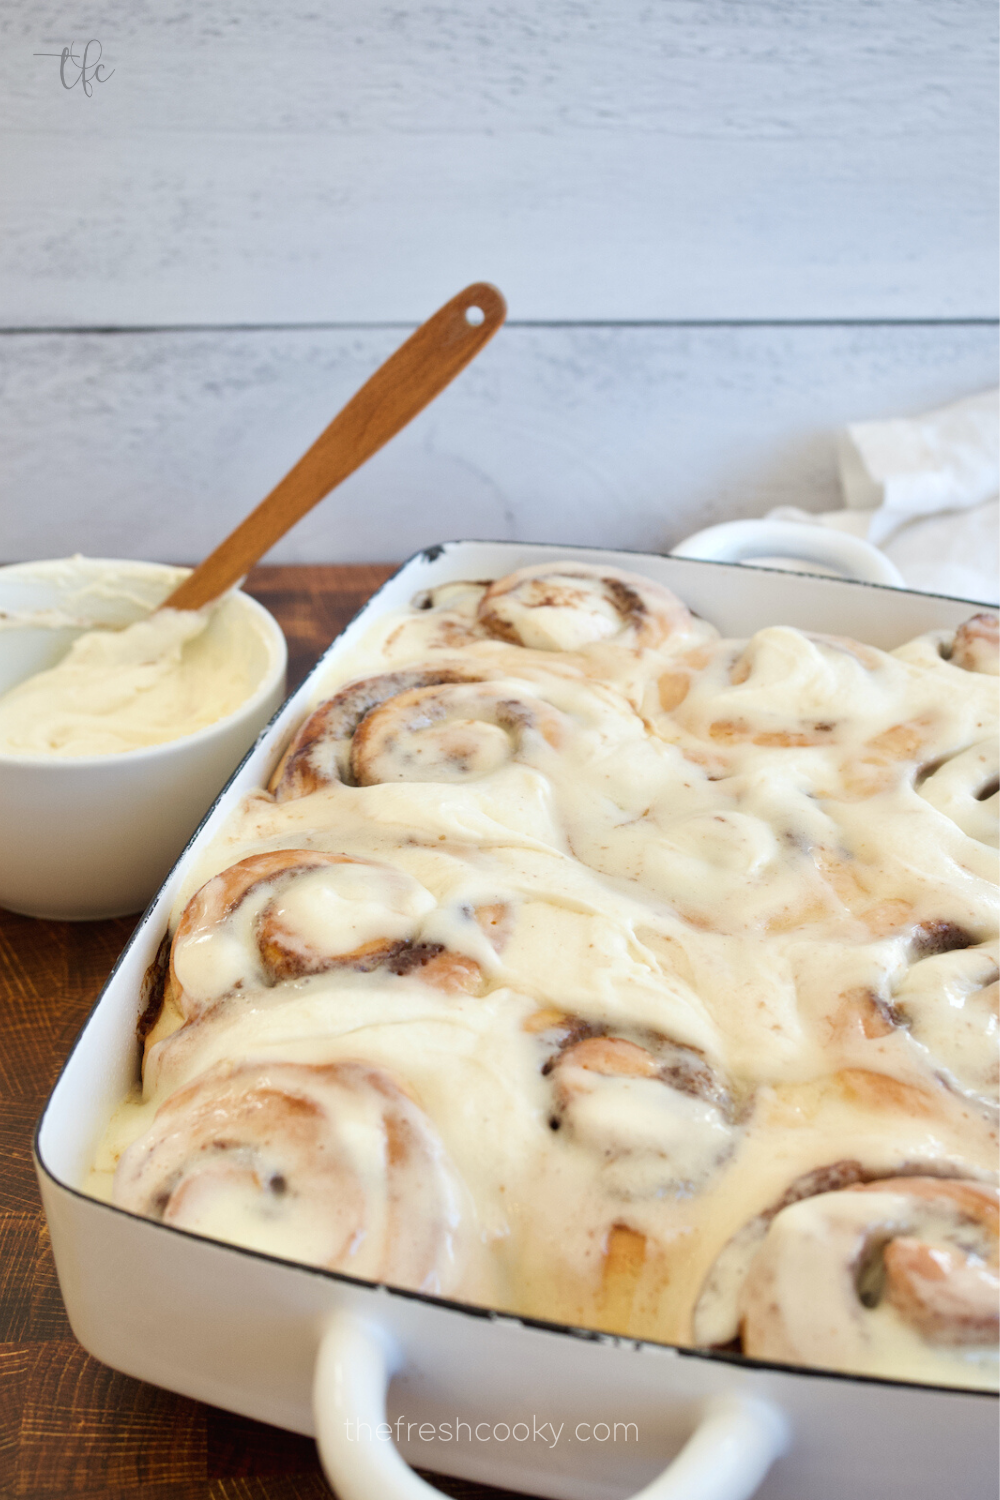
(398, 390)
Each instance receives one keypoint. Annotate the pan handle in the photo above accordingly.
(725, 1458)
(798, 541)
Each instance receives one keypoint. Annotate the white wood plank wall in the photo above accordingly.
(724, 228)
(155, 444)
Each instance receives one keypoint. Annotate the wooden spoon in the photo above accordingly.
(398, 390)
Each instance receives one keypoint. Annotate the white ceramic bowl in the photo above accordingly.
(94, 836)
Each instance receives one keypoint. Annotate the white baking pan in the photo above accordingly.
(548, 1409)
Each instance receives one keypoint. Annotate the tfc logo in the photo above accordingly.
(88, 68)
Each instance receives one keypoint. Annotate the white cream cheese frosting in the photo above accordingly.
(149, 682)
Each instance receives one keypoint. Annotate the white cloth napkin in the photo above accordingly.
(924, 489)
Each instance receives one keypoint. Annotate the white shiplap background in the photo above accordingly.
(724, 228)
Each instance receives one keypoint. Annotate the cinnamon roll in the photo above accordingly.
(333, 1165)
(949, 1002)
(976, 647)
(658, 1118)
(966, 788)
(417, 726)
(857, 1271)
(789, 690)
(453, 732)
(320, 753)
(882, 1278)
(569, 606)
(291, 913)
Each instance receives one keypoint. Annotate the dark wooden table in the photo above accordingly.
(68, 1425)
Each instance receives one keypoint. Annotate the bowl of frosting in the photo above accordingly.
(119, 723)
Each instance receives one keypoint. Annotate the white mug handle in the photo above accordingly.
(727, 1456)
(799, 541)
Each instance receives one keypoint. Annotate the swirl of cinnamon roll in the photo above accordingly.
(788, 689)
(901, 1262)
(950, 1002)
(887, 1277)
(976, 647)
(290, 913)
(320, 753)
(452, 732)
(657, 1115)
(567, 606)
(966, 788)
(329, 1164)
